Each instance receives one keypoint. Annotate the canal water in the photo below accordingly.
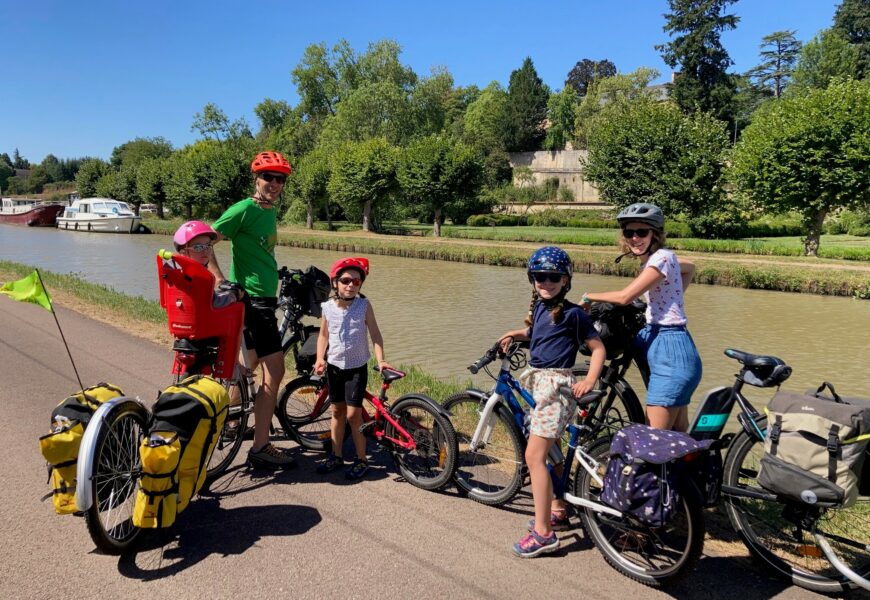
(442, 316)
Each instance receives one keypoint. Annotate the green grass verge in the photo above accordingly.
(842, 247)
(94, 294)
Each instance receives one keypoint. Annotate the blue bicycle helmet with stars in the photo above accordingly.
(550, 259)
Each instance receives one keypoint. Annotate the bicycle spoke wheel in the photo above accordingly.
(115, 473)
(304, 412)
(654, 556)
(232, 435)
(771, 530)
(431, 464)
(493, 473)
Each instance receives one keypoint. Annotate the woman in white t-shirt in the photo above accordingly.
(666, 350)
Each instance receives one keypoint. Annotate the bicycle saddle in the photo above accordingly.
(761, 370)
(391, 375)
(587, 398)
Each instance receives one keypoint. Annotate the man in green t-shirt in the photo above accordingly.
(251, 226)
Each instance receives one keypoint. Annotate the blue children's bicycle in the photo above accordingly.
(491, 427)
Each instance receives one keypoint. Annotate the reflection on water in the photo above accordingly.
(443, 315)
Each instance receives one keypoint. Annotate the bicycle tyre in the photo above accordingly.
(115, 473)
(653, 556)
(432, 463)
(232, 435)
(770, 536)
(300, 417)
(625, 407)
(494, 474)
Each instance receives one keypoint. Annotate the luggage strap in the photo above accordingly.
(774, 434)
(833, 446)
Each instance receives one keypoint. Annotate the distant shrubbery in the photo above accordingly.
(847, 222)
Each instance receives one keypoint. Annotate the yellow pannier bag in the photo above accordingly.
(60, 447)
(184, 428)
(157, 498)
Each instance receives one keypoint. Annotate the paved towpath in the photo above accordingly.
(291, 535)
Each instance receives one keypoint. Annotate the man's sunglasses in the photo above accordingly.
(199, 247)
(269, 178)
(350, 280)
(630, 233)
(551, 277)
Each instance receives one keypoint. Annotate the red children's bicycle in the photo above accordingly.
(415, 430)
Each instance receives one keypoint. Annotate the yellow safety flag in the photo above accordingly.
(29, 289)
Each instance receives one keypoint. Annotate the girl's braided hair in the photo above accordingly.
(556, 306)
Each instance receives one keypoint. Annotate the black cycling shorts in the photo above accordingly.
(347, 385)
(261, 326)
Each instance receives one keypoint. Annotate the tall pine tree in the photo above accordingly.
(779, 54)
(852, 19)
(526, 109)
(696, 52)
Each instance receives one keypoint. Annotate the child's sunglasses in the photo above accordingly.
(199, 247)
(350, 280)
(269, 178)
(551, 277)
(640, 232)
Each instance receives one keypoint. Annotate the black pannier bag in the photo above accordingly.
(617, 325)
(308, 289)
(307, 355)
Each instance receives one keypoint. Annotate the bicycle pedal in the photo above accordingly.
(367, 429)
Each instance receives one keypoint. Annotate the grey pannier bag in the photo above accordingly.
(815, 446)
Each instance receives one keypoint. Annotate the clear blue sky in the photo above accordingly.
(80, 78)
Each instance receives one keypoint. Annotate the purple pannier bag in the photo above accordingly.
(642, 478)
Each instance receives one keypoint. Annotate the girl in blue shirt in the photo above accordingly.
(556, 329)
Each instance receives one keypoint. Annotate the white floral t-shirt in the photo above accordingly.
(664, 301)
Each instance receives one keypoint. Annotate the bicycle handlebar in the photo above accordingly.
(487, 358)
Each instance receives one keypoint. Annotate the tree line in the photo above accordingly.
(370, 140)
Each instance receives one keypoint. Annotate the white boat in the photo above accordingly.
(99, 214)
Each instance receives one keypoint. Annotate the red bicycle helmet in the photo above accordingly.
(358, 263)
(271, 161)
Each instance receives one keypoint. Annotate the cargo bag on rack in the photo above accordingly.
(182, 432)
(643, 475)
(815, 447)
(60, 446)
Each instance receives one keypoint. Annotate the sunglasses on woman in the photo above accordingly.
(551, 277)
(350, 280)
(640, 232)
(269, 178)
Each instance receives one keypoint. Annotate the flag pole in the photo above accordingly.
(65, 345)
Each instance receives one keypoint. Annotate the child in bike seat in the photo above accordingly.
(195, 240)
(556, 329)
(345, 327)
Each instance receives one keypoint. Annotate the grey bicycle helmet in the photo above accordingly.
(642, 212)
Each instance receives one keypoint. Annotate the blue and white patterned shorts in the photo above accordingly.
(553, 410)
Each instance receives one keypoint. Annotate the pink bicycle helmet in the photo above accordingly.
(190, 230)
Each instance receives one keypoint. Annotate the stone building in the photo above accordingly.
(562, 164)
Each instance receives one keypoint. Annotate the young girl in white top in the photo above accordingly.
(345, 327)
(666, 350)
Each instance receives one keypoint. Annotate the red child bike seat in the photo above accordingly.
(186, 289)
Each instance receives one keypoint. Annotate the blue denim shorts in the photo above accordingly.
(674, 364)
